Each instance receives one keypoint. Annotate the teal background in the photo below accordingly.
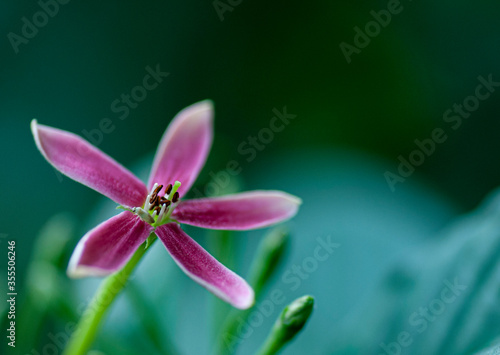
(353, 121)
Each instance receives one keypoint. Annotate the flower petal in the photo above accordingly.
(184, 147)
(203, 268)
(108, 247)
(242, 211)
(78, 159)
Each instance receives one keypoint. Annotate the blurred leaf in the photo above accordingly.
(47, 287)
(442, 299)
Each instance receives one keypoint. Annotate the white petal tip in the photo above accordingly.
(291, 200)
(295, 199)
(204, 105)
(34, 131)
(246, 302)
(284, 196)
(202, 110)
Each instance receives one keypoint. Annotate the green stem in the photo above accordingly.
(86, 330)
(272, 345)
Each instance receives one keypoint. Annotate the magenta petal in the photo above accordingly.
(203, 268)
(78, 159)
(248, 210)
(184, 147)
(108, 247)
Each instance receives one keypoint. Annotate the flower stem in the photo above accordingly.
(86, 330)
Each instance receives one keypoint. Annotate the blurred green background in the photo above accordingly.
(352, 122)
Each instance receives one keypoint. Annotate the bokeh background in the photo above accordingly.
(353, 120)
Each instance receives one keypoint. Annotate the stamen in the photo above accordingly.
(154, 200)
(157, 190)
(162, 212)
(147, 205)
(159, 205)
(166, 203)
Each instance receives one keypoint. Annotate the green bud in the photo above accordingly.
(290, 322)
(296, 314)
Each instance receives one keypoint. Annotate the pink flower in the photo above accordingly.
(180, 156)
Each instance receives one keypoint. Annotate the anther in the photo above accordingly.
(175, 198)
(165, 203)
(157, 209)
(154, 200)
(168, 189)
(157, 190)
(147, 205)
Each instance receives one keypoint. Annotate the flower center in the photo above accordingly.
(158, 206)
